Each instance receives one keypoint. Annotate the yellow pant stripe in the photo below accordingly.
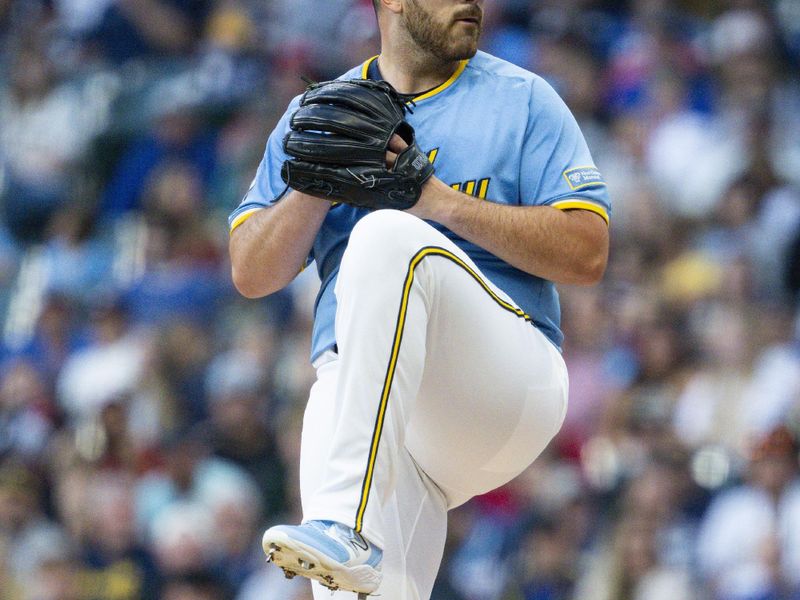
(398, 338)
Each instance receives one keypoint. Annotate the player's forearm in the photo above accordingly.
(270, 248)
(563, 246)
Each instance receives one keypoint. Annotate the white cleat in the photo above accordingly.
(329, 552)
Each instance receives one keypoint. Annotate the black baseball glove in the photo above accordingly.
(338, 144)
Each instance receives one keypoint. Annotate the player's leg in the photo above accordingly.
(320, 549)
(316, 440)
(388, 292)
(413, 309)
(315, 445)
(415, 514)
(415, 527)
(492, 396)
(375, 291)
(317, 433)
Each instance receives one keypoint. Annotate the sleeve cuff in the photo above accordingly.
(242, 217)
(572, 203)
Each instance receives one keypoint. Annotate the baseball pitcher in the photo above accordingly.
(442, 193)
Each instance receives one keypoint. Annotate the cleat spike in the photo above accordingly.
(327, 581)
(300, 550)
(273, 548)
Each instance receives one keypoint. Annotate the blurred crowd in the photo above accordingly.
(150, 417)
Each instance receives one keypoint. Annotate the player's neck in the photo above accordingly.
(411, 70)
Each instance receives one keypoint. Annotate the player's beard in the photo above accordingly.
(442, 40)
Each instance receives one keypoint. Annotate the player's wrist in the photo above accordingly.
(436, 202)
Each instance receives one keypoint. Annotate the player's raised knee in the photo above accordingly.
(388, 230)
(382, 241)
(383, 221)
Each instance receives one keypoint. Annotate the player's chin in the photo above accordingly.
(462, 40)
(464, 48)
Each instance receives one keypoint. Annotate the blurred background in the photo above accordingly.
(150, 417)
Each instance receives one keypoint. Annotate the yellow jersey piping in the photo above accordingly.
(438, 89)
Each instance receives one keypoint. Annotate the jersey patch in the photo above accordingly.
(583, 177)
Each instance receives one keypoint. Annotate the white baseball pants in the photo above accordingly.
(441, 390)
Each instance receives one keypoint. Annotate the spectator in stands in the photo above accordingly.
(46, 131)
(546, 560)
(24, 528)
(27, 412)
(130, 29)
(114, 565)
(178, 136)
(196, 586)
(108, 368)
(243, 423)
(55, 336)
(749, 545)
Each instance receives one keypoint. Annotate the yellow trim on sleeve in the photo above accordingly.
(243, 217)
(572, 204)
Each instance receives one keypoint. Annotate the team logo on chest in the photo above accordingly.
(478, 187)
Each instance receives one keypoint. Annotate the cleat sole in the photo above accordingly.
(299, 559)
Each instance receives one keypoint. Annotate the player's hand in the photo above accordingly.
(430, 199)
(396, 146)
(349, 142)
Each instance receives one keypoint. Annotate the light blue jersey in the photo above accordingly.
(494, 131)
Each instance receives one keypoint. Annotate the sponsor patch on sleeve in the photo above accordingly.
(583, 177)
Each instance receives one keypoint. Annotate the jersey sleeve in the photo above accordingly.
(557, 168)
(267, 187)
